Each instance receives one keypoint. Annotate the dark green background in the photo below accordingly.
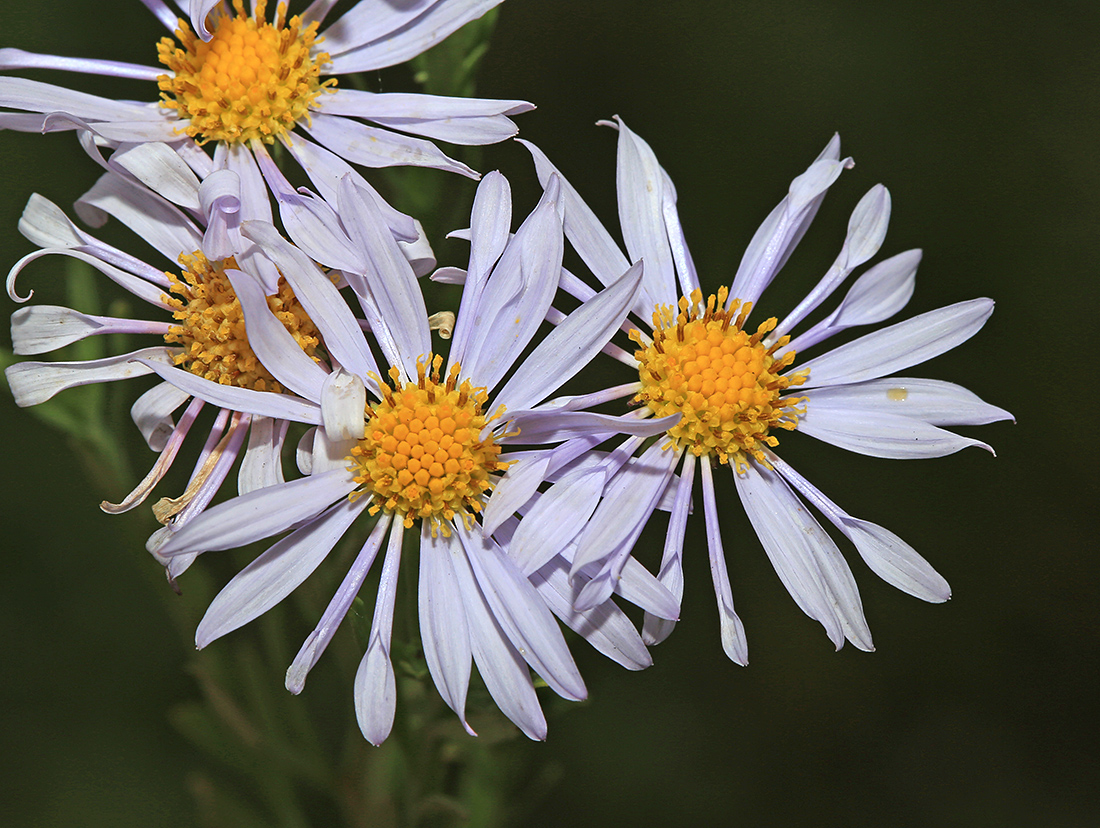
(983, 121)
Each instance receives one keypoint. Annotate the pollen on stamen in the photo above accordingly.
(251, 80)
(210, 324)
(423, 454)
(723, 381)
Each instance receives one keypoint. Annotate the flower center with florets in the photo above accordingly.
(723, 381)
(252, 79)
(211, 324)
(423, 454)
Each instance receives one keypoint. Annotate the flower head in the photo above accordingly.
(425, 445)
(739, 387)
(241, 81)
(202, 331)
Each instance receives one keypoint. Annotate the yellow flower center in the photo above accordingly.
(423, 454)
(252, 79)
(723, 381)
(211, 325)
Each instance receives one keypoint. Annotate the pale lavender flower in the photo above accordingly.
(244, 82)
(201, 329)
(737, 387)
(425, 446)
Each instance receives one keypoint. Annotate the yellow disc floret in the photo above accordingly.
(423, 454)
(251, 80)
(211, 324)
(724, 382)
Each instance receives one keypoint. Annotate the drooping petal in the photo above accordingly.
(899, 346)
(152, 412)
(320, 297)
(262, 463)
(272, 343)
(42, 328)
(32, 383)
(276, 573)
(444, 631)
(148, 215)
(160, 169)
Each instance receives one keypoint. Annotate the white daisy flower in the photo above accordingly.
(244, 82)
(425, 447)
(738, 387)
(201, 331)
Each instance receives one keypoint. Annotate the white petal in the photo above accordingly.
(273, 344)
(571, 345)
(372, 35)
(275, 573)
(734, 643)
(517, 295)
(503, 670)
(264, 403)
(522, 614)
(159, 168)
(804, 556)
(337, 608)
(888, 556)
(639, 180)
(899, 346)
(671, 575)
(392, 284)
(490, 222)
(32, 383)
(262, 463)
(444, 632)
(377, 147)
(343, 403)
(932, 401)
(152, 412)
(260, 514)
(881, 434)
(375, 686)
(605, 627)
(554, 426)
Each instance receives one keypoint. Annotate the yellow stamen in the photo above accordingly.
(723, 381)
(211, 325)
(251, 80)
(423, 454)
